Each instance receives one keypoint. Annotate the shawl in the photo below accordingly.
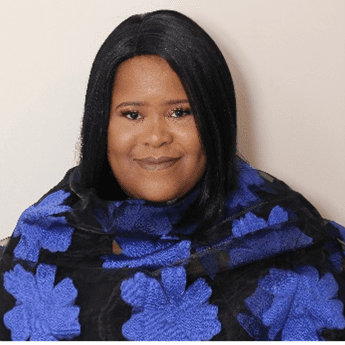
(81, 268)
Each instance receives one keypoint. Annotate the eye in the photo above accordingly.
(130, 114)
(181, 112)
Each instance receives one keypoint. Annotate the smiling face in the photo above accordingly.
(150, 116)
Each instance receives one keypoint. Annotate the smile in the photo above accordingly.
(157, 167)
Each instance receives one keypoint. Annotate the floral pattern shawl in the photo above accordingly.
(81, 268)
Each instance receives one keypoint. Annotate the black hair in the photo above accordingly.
(203, 71)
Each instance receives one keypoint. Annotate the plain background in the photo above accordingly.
(287, 58)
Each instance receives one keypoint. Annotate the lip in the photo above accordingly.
(163, 163)
(153, 160)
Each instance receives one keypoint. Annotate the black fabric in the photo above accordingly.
(302, 239)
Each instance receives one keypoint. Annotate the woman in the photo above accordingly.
(162, 232)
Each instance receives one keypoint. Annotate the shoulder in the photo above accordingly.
(41, 223)
(265, 218)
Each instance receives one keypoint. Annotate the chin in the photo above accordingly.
(155, 198)
(159, 195)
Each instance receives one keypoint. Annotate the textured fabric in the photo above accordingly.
(42, 312)
(297, 303)
(165, 311)
(148, 254)
(39, 226)
(78, 267)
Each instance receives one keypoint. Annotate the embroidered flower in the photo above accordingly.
(163, 310)
(250, 222)
(138, 216)
(335, 256)
(279, 236)
(40, 228)
(146, 253)
(266, 244)
(42, 311)
(244, 196)
(297, 304)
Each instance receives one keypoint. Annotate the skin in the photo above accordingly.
(152, 128)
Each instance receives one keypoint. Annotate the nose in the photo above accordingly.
(157, 132)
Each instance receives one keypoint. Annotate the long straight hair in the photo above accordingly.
(203, 72)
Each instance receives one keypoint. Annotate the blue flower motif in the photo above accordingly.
(244, 196)
(145, 253)
(138, 216)
(163, 310)
(335, 255)
(266, 244)
(250, 222)
(135, 216)
(42, 311)
(278, 236)
(141, 216)
(39, 228)
(296, 303)
(118, 215)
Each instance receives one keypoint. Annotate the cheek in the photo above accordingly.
(116, 143)
(116, 152)
(196, 161)
(195, 144)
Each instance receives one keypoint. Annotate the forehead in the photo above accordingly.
(145, 75)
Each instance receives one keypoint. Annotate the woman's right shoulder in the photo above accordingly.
(43, 211)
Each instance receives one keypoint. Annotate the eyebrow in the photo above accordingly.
(171, 101)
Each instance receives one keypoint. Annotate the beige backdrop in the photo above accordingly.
(286, 57)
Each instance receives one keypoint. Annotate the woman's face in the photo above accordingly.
(150, 116)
